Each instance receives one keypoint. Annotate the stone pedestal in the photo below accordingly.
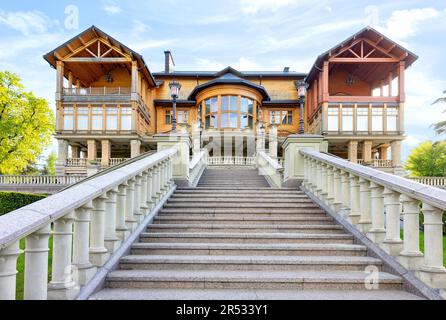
(180, 162)
(294, 161)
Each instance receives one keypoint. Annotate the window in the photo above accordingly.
(168, 117)
(246, 111)
(347, 119)
(211, 106)
(282, 117)
(126, 118)
(82, 118)
(333, 119)
(97, 118)
(362, 119)
(377, 119)
(229, 112)
(68, 118)
(235, 112)
(392, 119)
(112, 118)
(183, 116)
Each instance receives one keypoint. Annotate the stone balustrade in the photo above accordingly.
(197, 166)
(82, 162)
(231, 161)
(88, 223)
(373, 201)
(40, 180)
(270, 168)
(378, 163)
(431, 181)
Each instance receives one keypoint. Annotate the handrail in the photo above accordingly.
(373, 201)
(97, 91)
(433, 196)
(88, 220)
(270, 168)
(197, 165)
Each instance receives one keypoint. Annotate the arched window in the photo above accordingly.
(229, 112)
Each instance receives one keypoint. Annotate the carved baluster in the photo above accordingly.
(122, 229)
(36, 264)
(98, 252)
(130, 220)
(8, 271)
(112, 242)
(365, 220)
(392, 244)
(137, 200)
(378, 232)
(354, 215)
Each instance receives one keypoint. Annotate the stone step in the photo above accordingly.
(245, 212)
(248, 263)
(304, 280)
(240, 294)
(231, 190)
(219, 228)
(244, 237)
(246, 204)
(253, 199)
(248, 249)
(214, 195)
(183, 219)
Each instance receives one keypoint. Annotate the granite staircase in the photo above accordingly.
(234, 237)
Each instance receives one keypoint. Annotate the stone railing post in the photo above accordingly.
(324, 172)
(411, 256)
(305, 181)
(122, 229)
(337, 202)
(112, 241)
(150, 203)
(345, 192)
(130, 220)
(392, 244)
(354, 215)
(137, 199)
(158, 182)
(330, 186)
(62, 285)
(36, 264)
(81, 247)
(144, 206)
(433, 272)
(8, 271)
(365, 220)
(377, 232)
(318, 175)
(98, 252)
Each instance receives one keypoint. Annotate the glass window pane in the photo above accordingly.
(112, 122)
(347, 119)
(68, 122)
(208, 122)
(244, 105)
(168, 117)
(362, 120)
(392, 118)
(284, 114)
(126, 123)
(250, 121)
(243, 121)
(224, 120)
(214, 121)
(233, 120)
(234, 103)
(290, 117)
(82, 122)
(214, 104)
(96, 123)
(208, 106)
(333, 119)
(377, 119)
(250, 106)
(224, 103)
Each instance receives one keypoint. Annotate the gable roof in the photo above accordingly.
(369, 33)
(94, 32)
(229, 76)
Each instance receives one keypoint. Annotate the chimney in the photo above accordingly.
(286, 69)
(169, 64)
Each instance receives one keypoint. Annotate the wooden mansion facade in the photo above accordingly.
(111, 107)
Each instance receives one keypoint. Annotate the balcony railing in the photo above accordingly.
(431, 181)
(377, 163)
(97, 91)
(231, 161)
(82, 162)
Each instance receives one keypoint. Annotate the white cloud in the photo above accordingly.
(27, 22)
(112, 9)
(151, 44)
(404, 24)
(254, 6)
(139, 28)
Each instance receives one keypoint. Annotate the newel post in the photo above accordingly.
(294, 165)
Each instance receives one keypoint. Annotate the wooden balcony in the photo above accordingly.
(97, 94)
(82, 162)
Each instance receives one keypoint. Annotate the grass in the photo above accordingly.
(422, 245)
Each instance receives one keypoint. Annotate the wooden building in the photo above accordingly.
(111, 107)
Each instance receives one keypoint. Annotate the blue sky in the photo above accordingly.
(246, 34)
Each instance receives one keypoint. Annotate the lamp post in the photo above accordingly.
(302, 87)
(175, 87)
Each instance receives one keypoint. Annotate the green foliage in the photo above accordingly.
(440, 127)
(50, 166)
(428, 160)
(10, 201)
(26, 125)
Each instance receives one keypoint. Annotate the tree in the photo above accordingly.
(440, 127)
(26, 125)
(50, 166)
(428, 160)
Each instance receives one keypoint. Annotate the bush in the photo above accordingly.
(10, 201)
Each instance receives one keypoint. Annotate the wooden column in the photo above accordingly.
(383, 152)
(401, 90)
(59, 80)
(353, 151)
(70, 80)
(367, 151)
(325, 74)
(92, 150)
(106, 152)
(134, 85)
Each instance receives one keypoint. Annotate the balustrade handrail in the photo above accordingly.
(421, 192)
(95, 91)
(195, 160)
(22, 222)
(435, 181)
(270, 168)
